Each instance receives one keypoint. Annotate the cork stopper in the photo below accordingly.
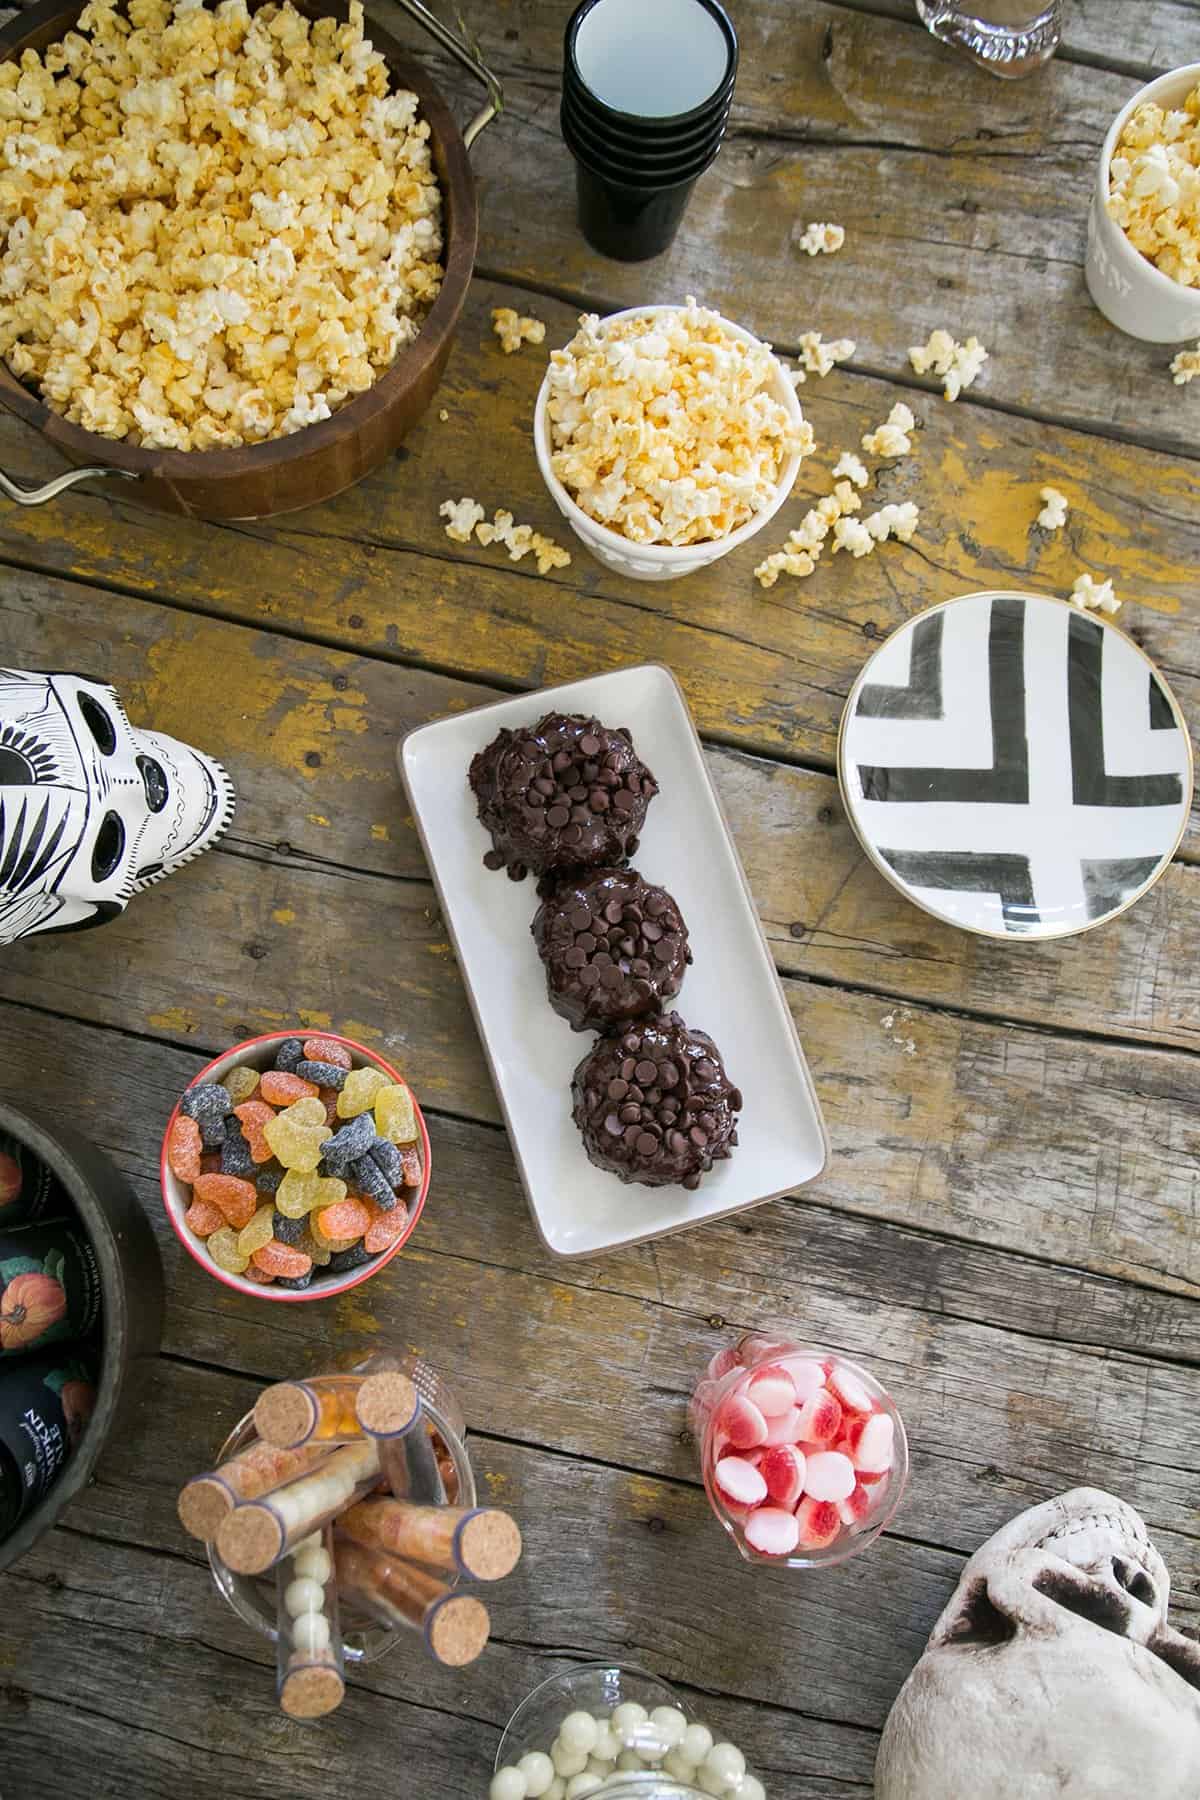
(285, 1415)
(202, 1505)
(488, 1543)
(456, 1629)
(250, 1539)
(311, 1689)
(386, 1403)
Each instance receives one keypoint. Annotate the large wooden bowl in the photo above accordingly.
(320, 460)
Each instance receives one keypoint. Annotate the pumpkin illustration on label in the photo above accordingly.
(76, 1396)
(10, 1180)
(33, 1301)
(49, 1287)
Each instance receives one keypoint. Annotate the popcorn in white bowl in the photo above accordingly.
(667, 436)
(1154, 185)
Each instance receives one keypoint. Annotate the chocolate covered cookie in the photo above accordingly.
(614, 948)
(655, 1105)
(568, 793)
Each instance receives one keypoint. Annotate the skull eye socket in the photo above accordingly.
(1135, 1582)
(1087, 1599)
(110, 844)
(98, 723)
(981, 1621)
(154, 781)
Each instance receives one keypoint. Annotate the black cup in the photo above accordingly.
(661, 165)
(644, 127)
(629, 224)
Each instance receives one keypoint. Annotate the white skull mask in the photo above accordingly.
(92, 811)
(1053, 1671)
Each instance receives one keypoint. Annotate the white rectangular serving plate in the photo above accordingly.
(731, 990)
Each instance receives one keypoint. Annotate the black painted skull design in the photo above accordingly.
(92, 810)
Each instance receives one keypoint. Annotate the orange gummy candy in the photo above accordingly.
(260, 1275)
(385, 1228)
(183, 1148)
(328, 1097)
(203, 1218)
(254, 1114)
(280, 1259)
(210, 1162)
(327, 1050)
(236, 1199)
(410, 1157)
(281, 1089)
(344, 1219)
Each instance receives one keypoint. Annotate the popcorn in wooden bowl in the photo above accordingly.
(667, 436)
(217, 226)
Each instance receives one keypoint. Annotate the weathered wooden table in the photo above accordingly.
(1007, 1229)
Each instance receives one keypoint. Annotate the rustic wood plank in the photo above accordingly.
(374, 571)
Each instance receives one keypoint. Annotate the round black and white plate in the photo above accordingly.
(1015, 766)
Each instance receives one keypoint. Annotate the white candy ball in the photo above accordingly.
(557, 1789)
(303, 1596)
(696, 1744)
(508, 1784)
(538, 1771)
(607, 1744)
(708, 1783)
(628, 1719)
(599, 1765)
(568, 1762)
(727, 1762)
(313, 1541)
(310, 1633)
(676, 1764)
(750, 1788)
(579, 1731)
(579, 1785)
(314, 1564)
(629, 1759)
(670, 1725)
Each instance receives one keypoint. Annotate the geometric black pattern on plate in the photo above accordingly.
(1161, 716)
(1006, 783)
(1108, 882)
(972, 872)
(1090, 782)
(922, 698)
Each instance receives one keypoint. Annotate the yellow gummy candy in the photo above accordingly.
(308, 1111)
(320, 1253)
(223, 1247)
(258, 1232)
(394, 1114)
(298, 1194)
(240, 1083)
(359, 1091)
(296, 1143)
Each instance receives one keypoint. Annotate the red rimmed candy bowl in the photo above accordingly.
(295, 1165)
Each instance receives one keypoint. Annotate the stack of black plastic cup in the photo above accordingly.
(647, 87)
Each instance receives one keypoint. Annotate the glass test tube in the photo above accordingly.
(396, 1594)
(336, 1409)
(206, 1499)
(482, 1542)
(255, 1534)
(309, 1659)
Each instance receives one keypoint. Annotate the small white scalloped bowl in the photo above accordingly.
(661, 562)
(1132, 294)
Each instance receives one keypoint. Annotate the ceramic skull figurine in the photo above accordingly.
(91, 810)
(1053, 1671)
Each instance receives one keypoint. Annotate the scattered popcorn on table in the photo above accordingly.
(896, 521)
(892, 437)
(821, 240)
(820, 358)
(513, 330)
(1054, 513)
(461, 517)
(218, 227)
(852, 466)
(443, 415)
(1095, 596)
(957, 364)
(1154, 187)
(665, 428)
(1186, 366)
(852, 535)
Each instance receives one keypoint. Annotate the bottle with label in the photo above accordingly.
(45, 1403)
(49, 1287)
(28, 1190)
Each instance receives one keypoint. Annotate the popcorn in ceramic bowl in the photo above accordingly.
(1154, 186)
(217, 227)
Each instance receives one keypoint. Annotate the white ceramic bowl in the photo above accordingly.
(660, 562)
(1135, 296)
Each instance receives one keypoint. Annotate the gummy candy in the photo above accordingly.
(320, 1253)
(359, 1092)
(327, 1050)
(183, 1148)
(299, 1193)
(388, 1159)
(348, 1219)
(384, 1229)
(237, 1199)
(352, 1258)
(258, 1232)
(297, 1141)
(267, 1180)
(203, 1218)
(208, 1104)
(281, 1259)
(410, 1156)
(325, 1074)
(210, 1162)
(235, 1152)
(395, 1117)
(240, 1083)
(330, 1098)
(351, 1142)
(288, 1231)
(289, 1053)
(281, 1088)
(222, 1246)
(371, 1179)
(260, 1275)
(254, 1115)
(295, 1281)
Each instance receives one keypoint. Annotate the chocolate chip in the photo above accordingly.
(656, 905)
(630, 1111)
(663, 952)
(493, 859)
(585, 942)
(627, 1068)
(544, 786)
(598, 800)
(577, 794)
(646, 1073)
(651, 932)
(558, 816)
(581, 918)
(580, 815)
(572, 834)
(705, 1070)
(614, 912)
(588, 977)
(560, 761)
(698, 1136)
(640, 967)
(612, 1125)
(631, 1041)
(617, 1089)
(646, 1145)
(575, 957)
(632, 1134)
(590, 745)
(624, 801)
(668, 1074)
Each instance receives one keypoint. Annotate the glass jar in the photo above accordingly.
(668, 1736)
(722, 1430)
(253, 1598)
(1009, 38)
